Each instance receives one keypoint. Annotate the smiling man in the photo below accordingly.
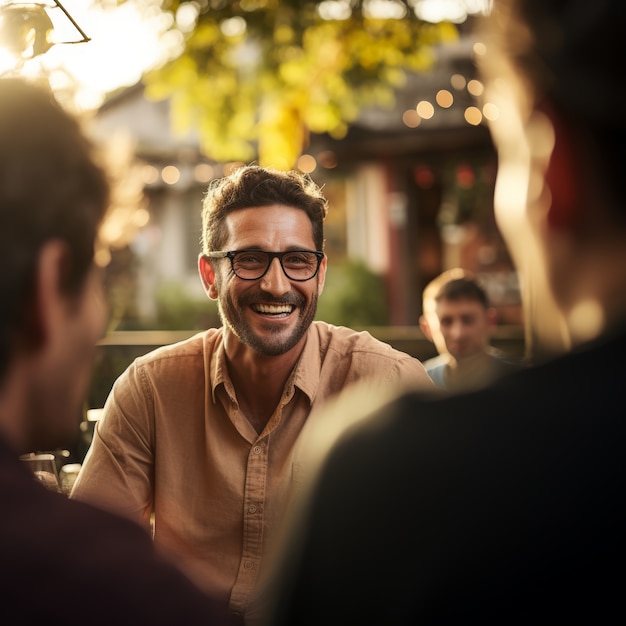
(204, 432)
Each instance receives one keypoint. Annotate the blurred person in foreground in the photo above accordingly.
(204, 433)
(61, 559)
(503, 505)
(459, 320)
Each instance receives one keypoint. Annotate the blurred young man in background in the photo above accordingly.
(460, 321)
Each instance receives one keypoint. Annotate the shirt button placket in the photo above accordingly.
(253, 520)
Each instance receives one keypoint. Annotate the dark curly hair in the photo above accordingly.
(252, 186)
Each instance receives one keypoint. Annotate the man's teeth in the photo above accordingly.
(273, 309)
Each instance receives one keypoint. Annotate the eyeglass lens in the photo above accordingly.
(297, 265)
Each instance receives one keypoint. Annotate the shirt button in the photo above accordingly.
(252, 508)
(256, 449)
(248, 565)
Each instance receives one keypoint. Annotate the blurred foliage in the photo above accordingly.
(353, 296)
(177, 310)
(120, 286)
(256, 77)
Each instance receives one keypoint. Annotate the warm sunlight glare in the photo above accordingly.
(124, 42)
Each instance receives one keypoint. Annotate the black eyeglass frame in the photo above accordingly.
(230, 254)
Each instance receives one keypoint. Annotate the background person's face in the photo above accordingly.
(461, 328)
(271, 314)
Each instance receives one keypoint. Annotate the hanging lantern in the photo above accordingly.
(25, 30)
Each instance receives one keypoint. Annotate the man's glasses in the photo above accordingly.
(299, 265)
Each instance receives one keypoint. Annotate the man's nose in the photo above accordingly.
(457, 330)
(275, 281)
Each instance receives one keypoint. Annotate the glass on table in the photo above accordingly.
(68, 475)
(43, 465)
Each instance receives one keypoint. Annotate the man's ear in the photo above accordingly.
(207, 275)
(425, 327)
(563, 175)
(492, 316)
(45, 310)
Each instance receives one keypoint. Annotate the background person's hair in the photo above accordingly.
(50, 188)
(252, 186)
(453, 284)
(570, 53)
(463, 289)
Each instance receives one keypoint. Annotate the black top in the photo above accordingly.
(67, 562)
(501, 506)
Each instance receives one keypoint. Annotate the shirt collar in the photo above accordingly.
(305, 377)
(308, 367)
(217, 365)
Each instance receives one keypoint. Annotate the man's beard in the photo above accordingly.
(230, 314)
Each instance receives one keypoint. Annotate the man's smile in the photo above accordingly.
(273, 309)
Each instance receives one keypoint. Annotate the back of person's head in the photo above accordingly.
(50, 189)
(552, 69)
(252, 186)
(568, 55)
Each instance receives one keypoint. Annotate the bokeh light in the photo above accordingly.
(170, 174)
(203, 172)
(411, 118)
(473, 116)
(149, 174)
(425, 109)
(458, 81)
(475, 87)
(306, 163)
(327, 159)
(444, 98)
(490, 111)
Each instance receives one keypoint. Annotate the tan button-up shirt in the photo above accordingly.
(173, 441)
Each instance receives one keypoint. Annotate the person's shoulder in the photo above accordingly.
(504, 358)
(327, 332)
(349, 340)
(436, 363)
(193, 346)
(38, 516)
(172, 361)
(436, 368)
(559, 394)
(502, 364)
(100, 558)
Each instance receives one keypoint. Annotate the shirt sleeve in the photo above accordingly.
(118, 468)
(410, 373)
